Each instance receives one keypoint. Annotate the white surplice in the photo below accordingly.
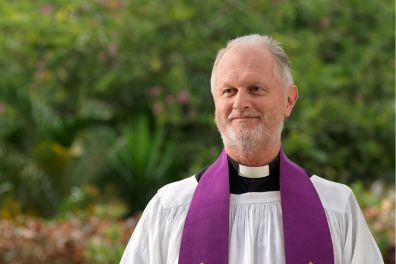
(256, 232)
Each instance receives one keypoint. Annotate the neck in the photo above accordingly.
(253, 157)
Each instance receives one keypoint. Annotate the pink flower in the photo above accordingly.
(2, 107)
(157, 108)
(112, 49)
(46, 9)
(102, 57)
(170, 99)
(325, 22)
(183, 97)
(154, 91)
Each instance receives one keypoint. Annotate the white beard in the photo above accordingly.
(248, 138)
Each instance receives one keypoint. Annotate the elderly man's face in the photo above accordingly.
(250, 102)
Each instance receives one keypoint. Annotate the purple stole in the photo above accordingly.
(205, 235)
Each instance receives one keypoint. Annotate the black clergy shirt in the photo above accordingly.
(240, 184)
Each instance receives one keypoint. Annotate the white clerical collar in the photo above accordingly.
(253, 172)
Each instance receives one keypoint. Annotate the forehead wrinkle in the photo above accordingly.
(252, 78)
(230, 78)
(272, 72)
(242, 58)
(246, 78)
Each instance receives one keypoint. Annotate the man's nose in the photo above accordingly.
(241, 101)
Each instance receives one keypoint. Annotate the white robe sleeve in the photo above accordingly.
(138, 249)
(360, 246)
(156, 238)
(256, 227)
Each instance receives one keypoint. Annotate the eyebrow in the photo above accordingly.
(257, 84)
(227, 84)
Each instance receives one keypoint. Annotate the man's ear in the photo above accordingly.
(291, 97)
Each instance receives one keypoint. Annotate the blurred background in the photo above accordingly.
(104, 101)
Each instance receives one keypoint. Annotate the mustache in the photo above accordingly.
(243, 115)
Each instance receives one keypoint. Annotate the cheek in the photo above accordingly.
(222, 109)
(272, 106)
(281, 104)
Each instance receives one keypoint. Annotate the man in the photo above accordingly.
(252, 205)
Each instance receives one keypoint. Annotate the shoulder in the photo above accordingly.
(334, 196)
(177, 193)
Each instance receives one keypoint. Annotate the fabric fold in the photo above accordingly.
(205, 234)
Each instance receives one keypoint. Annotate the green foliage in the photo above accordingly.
(74, 241)
(143, 159)
(379, 210)
(77, 76)
(107, 249)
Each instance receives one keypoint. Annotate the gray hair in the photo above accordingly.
(255, 40)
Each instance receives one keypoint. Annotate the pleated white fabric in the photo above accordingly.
(256, 232)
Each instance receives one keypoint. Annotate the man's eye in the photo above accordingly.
(256, 89)
(228, 91)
